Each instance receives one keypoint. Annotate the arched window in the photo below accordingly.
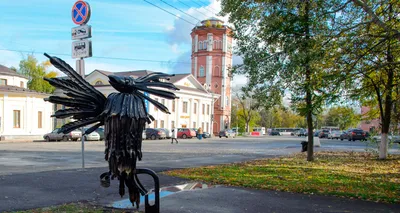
(201, 71)
(200, 45)
(205, 45)
(99, 83)
(217, 71)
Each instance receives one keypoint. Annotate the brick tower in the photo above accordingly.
(211, 62)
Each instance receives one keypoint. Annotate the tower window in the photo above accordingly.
(205, 45)
(217, 71)
(99, 83)
(201, 71)
(218, 44)
(200, 45)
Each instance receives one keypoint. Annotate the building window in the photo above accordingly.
(17, 118)
(201, 72)
(217, 71)
(200, 45)
(208, 109)
(217, 44)
(155, 108)
(21, 84)
(172, 124)
(203, 107)
(40, 119)
(194, 124)
(98, 83)
(202, 126)
(162, 124)
(227, 101)
(3, 82)
(173, 106)
(207, 127)
(194, 108)
(185, 104)
(155, 123)
(204, 45)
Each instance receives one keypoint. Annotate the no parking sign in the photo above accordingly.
(80, 12)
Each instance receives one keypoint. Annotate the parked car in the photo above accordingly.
(227, 133)
(302, 132)
(392, 138)
(334, 135)
(324, 133)
(100, 131)
(153, 134)
(207, 135)
(316, 133)
(94, 136)
(274, 132)
(168, 134)
(344, 135)
(55, 136)
(356, 134)
(186, 133)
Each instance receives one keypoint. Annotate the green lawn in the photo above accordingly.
(75, 208)
(344, 174)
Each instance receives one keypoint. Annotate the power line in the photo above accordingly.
(100, 57)
(204, 7)
(205, 16)
(180, 10)
(208, 5)
(170, 13)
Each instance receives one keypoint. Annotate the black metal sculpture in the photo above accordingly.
(123, 115)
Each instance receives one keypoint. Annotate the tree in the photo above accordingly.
(247, 110)
(368, 58)
(35, 73)
(344, 117)
(283, 45)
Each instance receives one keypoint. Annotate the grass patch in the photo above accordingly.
(343, 174)
(76, 208)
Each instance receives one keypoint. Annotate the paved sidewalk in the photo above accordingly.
(41, 189)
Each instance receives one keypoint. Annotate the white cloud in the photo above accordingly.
(9, 58)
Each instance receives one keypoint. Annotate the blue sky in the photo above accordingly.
(131, 29)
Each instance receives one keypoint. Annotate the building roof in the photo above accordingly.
(136, 73)
(7, 71)
(178, 77)
(15, 89)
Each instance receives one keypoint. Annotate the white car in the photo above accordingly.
(393, 138)
(334, 135)
(94, 136)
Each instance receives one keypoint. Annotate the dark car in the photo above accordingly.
(356, 134)
(302, 132)
(316, 133)
(154, 134)
(206, 135)
(344, 135)
(324, 133)
(274, 132)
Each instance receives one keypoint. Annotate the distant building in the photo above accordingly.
(369, 125)
(191, 110)
(211, 61)
(23, 112)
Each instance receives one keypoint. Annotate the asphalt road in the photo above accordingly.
(42, 174)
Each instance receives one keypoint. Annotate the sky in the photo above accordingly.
(126, 34)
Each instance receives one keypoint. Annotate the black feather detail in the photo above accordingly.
(67, 128)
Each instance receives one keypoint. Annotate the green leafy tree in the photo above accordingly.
(368, 58)
(35, 73)
(283, 45)
(343, 117)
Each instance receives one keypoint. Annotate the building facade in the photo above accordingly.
(193, 109)
(23, 112)
(211, 63)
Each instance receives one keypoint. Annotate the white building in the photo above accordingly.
(193, 109)
(23, 112)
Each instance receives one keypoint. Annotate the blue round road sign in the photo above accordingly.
(80, 12)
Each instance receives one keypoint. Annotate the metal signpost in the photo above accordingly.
(82, 47)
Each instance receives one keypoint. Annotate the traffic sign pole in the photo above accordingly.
(82, 48)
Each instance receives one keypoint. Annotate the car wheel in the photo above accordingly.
(76, 139)
(153, 137)
(64, 138)
(47, 139)
(219, 136)
(184, 136)
(226, 136)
